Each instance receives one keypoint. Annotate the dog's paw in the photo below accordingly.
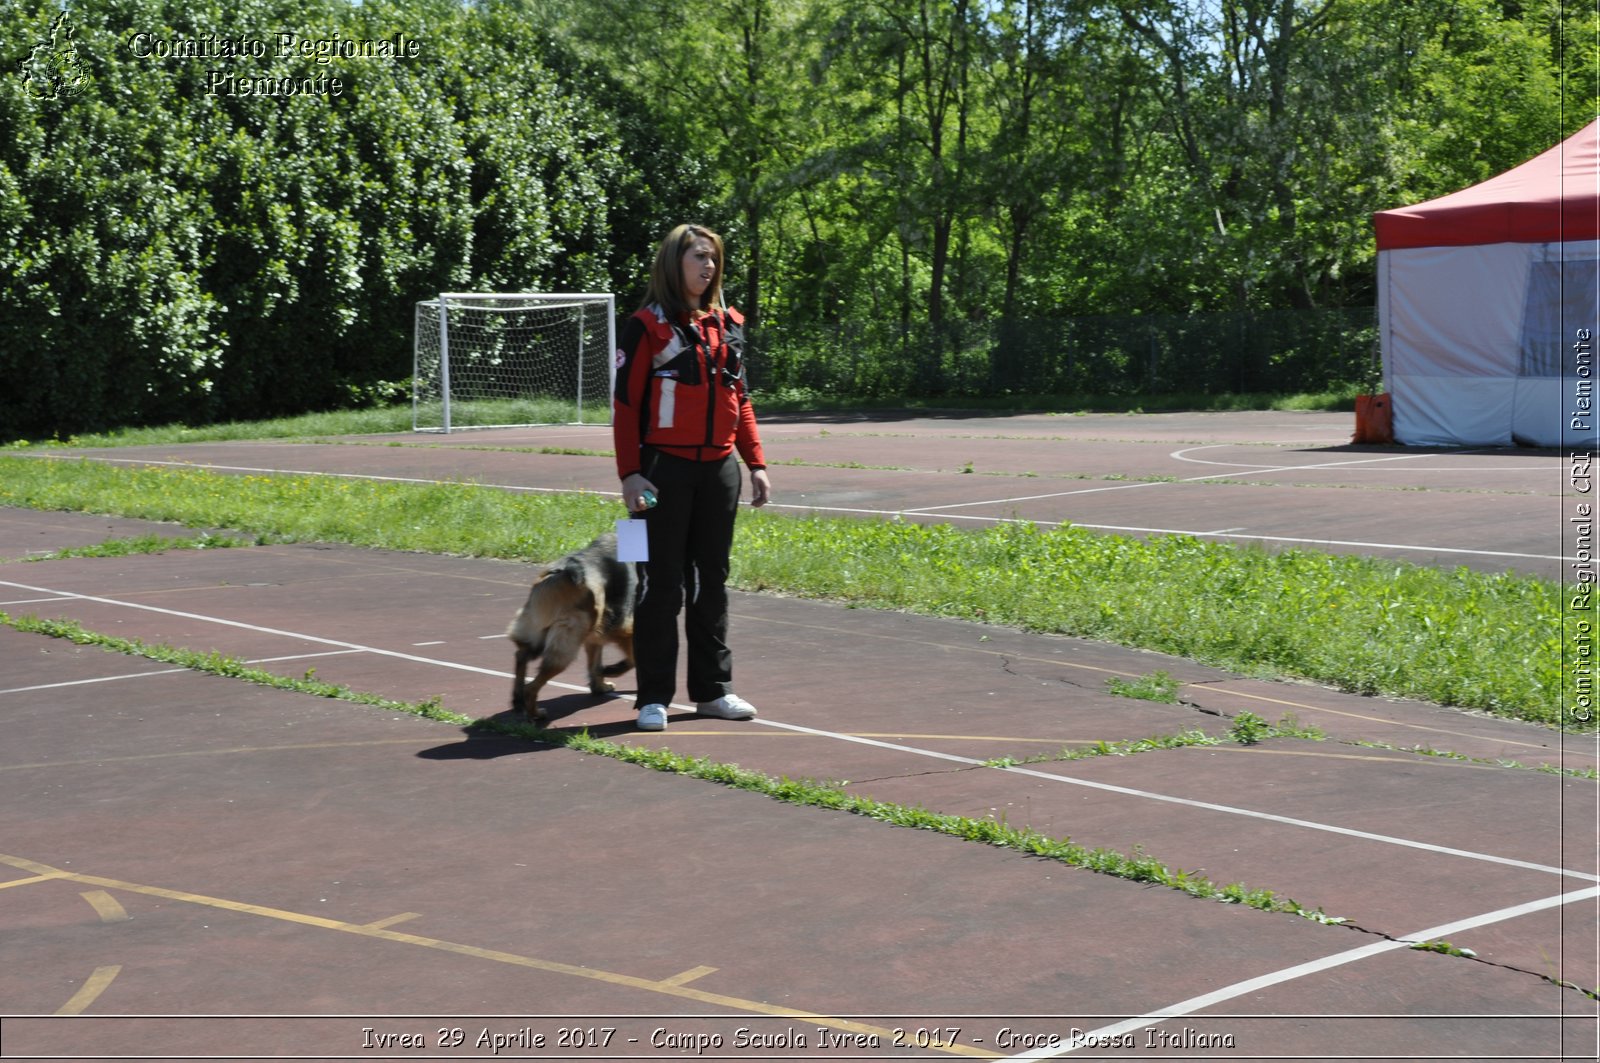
(602, 687)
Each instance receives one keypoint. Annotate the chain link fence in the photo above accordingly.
(1284, 351)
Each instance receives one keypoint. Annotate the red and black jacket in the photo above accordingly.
(680, 388)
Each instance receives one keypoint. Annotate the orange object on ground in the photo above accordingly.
(1374, 420)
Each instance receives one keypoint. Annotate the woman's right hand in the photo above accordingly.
(633, 489)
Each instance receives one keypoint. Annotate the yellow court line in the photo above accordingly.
(211, 753)
(110, 909)
(1398, 756)
(30, 880)
(690, 975)
(650, 985)
(943, 646)
(1362, 716)
(380, 924)
(90, 991)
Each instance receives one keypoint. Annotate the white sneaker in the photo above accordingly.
(653, 718)
(727, 707)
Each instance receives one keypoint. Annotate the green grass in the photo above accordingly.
(462, 519)
(1544, 767)
(1476, 640)
(1444, 948)
(1247, 729)
(212, 663)
(142, 544)
(363, 422)
(377, 420)
(1483, 641)
(1158, 686)
(1102, 748)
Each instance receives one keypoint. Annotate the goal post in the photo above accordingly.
(510, 359)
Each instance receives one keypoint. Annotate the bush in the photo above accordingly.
(173, 254)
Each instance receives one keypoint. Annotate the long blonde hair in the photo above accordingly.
(666, 273)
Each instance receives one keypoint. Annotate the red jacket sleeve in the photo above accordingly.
(748, 437)
(630, 396)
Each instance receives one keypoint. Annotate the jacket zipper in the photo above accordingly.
(711, 389)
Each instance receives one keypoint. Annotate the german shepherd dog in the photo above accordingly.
(580, 602)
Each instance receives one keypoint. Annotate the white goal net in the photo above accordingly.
(496, 360)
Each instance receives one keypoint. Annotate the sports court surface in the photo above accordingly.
(193, 867)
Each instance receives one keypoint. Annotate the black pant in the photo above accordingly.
(691, 534)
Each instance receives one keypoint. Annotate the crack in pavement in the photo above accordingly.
(1186, 702)
(1592, 994)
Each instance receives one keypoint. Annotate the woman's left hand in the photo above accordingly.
(760, 487)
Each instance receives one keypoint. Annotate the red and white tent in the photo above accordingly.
(1487, 306)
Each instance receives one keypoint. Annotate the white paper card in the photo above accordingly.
(633, 542)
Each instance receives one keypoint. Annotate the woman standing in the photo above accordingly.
(680, 415)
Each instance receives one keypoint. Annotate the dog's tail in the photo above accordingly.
(530, 629)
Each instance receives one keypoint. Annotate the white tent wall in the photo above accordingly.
(1476, 342)
(1450, 319)
(1555, 386)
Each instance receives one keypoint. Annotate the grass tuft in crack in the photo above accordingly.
(1157, 686)
(1443, 948)
(1544, 767)
(1250, 731)
(213, 663)
(145, 544)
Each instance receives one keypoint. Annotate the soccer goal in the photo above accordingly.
(499, 360)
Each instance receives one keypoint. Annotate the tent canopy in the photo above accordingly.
(1489, 302)
(1551, 197)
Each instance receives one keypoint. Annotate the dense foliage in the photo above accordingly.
(172, 249)
(925, 195)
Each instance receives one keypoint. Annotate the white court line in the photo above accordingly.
(97, 679)
(69, 595)
(163, 671)
(928, 511)
(301, 656)
(1185, 480)
(1335, 542)
(1289, 974)
(1184, 1007)
(934, 511)
(1181, 1008)
(336, 475)
(1187, 802)
(934, 754)
(1181, 455)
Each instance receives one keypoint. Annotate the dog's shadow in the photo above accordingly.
(482, 740)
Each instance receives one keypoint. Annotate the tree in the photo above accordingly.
(184, 239)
